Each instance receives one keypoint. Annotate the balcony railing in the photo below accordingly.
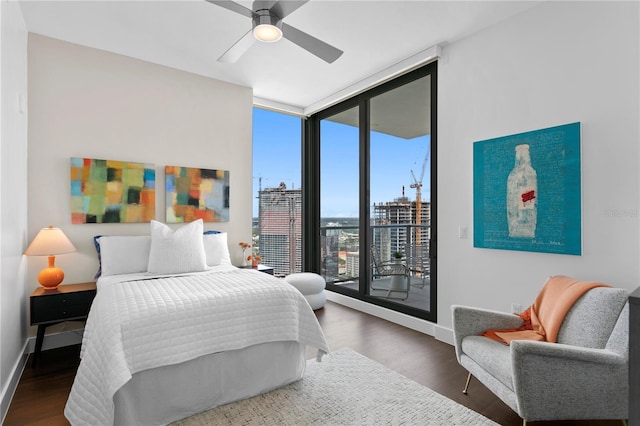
(341, 257)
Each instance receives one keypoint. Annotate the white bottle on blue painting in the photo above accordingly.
(522, 194)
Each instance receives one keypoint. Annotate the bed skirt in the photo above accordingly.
(165, 394)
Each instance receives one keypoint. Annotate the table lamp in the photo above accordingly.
(49, 242)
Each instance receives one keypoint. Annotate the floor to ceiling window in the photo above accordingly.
(277, 204)
(339, 194)
(371, 184)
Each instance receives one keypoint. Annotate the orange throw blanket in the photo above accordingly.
(543, 319)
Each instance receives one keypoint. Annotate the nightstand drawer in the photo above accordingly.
(59, 307)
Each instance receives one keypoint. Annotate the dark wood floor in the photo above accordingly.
(42, 392)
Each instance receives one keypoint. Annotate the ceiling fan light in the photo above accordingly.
(266, 26)
(267, 33)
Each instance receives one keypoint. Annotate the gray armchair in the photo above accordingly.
(582, 376)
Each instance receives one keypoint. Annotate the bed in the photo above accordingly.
(164, 343)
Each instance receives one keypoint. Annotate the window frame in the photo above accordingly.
(311, 220)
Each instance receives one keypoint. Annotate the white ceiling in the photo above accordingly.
(191, 34)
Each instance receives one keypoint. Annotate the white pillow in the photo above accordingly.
(124, 254)
(216, 249)
(175, 252)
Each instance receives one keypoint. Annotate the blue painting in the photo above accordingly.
(526, 190)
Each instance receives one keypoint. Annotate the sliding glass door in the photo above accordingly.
(376, 198)
(400, 192)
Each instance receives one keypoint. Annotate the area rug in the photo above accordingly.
(346, 388)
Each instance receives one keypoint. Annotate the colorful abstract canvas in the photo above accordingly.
(109, 191)
(196, 194)
(527, 191)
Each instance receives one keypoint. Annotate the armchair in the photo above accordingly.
(582, 376)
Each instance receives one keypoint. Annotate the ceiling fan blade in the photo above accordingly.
(308, 42)
(234, 7)
(283, 8)
(238, 49)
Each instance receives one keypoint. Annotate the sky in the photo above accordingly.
(277, 158)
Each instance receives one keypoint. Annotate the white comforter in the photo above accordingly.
(145, 323)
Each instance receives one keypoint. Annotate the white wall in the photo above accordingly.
(13, 198)
(557, 63)
(90, 103)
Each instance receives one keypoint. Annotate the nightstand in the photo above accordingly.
(67, 302)
(262, 268)
(266, 269)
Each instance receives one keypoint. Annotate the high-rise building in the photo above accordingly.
(330, 246)
(352, 265)
(411, 240)
(280, 228)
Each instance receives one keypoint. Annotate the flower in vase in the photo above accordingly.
(244, 246)
(255, 259)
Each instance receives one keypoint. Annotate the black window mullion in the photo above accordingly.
(311, 195)
(365, 232)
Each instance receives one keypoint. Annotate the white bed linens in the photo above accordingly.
(146, 323)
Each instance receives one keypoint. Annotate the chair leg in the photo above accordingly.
(466, 385)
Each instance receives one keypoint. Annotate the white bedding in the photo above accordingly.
(137, 323)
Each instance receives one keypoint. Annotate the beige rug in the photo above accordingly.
(346, 388)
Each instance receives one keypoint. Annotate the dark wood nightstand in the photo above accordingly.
(262, 268)
(67, 302)
(266, 269)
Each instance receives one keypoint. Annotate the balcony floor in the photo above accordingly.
(418, 297)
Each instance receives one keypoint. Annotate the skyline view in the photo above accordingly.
(277, 158)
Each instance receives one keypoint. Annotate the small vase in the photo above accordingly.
(254, 263)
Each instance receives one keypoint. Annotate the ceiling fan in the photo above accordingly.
(267, 26)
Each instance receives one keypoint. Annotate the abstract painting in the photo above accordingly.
(526, 190)
(110, 191)
(194, 193)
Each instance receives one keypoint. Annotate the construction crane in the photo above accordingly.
(417, 246)
(417, 184)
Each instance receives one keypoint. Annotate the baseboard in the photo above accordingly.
(12, 384)
(444, 335)
(440, 333)
(405, 320)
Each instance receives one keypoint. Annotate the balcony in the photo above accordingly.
(408, 283)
